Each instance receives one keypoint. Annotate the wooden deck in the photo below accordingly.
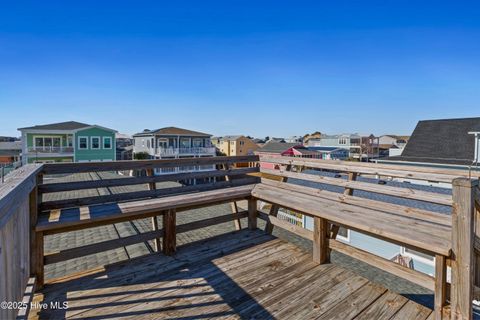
(245, 274)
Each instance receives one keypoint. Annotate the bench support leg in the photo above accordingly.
(273, 212)
(37, 263)
(169, 232)
(352, 176)
(252, 214)
(321, 251)
(156, 241)
(440, 285)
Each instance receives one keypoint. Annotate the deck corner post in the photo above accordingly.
(321, 250)
(252, 213)
(36, 238)
(461, 295)
(169, 232)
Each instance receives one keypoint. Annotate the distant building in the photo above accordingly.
(10, 152)
(390, 145)
(8, 139)
(124, 148)
(331, 153)
(294, 139)
(234, 145)
(273, 149)
(359, 146)
(450, 143)
(173, 142)
(67, 142)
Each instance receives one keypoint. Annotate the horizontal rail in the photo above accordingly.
(137, 195)
(82, 251)
(406, 193)
(411, 275)
(94, 184)
(420, 214)
(58, 168)
(371, 169)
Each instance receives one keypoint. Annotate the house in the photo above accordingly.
(173, 142)
(390, 145)
(234, 145)
(294, 139)
(69, 141)
(273, 149)
(360, 146)
(331, 153)
(447, 143)
(10, 152)
(124, 143)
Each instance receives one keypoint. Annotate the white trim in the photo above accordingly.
(417, 257)
(344, 239)
(99, 142)
(80, 137)
(95, 126)
(103, 142)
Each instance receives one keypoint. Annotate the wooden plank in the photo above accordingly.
(252, 214)
(440, 286)
(54, 257)
(412, 311)
(383, 308)
(435, 217)
(233, 205)
(33, 208)
(426, 237)
(77, 202)
(27, 299)
(169, 232)
(144, 209)
(125, 181)
(411, 275)
(321, 231)
(462, 247)
(274, 208)
(76, 167)
(37, 255)
(406, 193)
(371, 169)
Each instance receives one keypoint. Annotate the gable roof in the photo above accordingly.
(442, 141)
(277, 147)
(68, 125)
(172, 131)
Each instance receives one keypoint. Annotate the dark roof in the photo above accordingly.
(68, 125)
(172, 131)
(276, 147)
(326, 148)
(442, 141)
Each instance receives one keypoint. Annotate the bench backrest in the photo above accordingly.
(68, 185)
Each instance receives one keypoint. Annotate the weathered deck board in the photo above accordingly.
(243, 274)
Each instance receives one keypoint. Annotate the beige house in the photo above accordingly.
(235, 145)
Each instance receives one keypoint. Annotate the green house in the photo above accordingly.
(67, 142)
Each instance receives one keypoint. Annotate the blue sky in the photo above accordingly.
(276, 68)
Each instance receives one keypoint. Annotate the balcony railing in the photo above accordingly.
(50, 149)
(29, 213)
(186, 151)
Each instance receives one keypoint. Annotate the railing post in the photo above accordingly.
(321, 251)
(440, 285)
(274, 208)
(169, 232)
(36, 238)
(152, 186)
(461, 295)
(252, 214)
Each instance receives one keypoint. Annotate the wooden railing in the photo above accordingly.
(39, 200)
(463, 224)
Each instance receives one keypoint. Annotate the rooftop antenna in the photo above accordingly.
(477, 151)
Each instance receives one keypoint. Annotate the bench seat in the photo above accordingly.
(61, 220)
(387, 223)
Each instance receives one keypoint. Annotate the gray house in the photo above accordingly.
(359, 146)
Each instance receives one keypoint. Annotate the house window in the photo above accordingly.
(343, 234)
(342, 141)
(107, 143)
(420, 256)
(69, 141)
(148, 143)
(82, 143)
(143, 143)
(197, 142)
(185, 142)
(163, 143)
(95, 143)
(38, 142)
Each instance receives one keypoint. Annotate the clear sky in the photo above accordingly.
(276, 68)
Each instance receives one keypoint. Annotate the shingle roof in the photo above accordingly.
(68, 125)
(442, 141)
(172, 131)
(276, 147)
(14, 145)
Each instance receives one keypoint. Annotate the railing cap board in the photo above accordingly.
(446, 175)
(57, 168)
(18, 183)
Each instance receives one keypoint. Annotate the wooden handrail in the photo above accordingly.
(370, 169)
(58, 168)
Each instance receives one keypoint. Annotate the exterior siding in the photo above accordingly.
(90, 154)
